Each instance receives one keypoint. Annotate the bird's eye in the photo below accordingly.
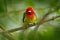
(29, 11)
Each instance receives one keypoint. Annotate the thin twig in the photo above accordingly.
(7, 34)
(52, 18)
(43, 18)
(13, 11)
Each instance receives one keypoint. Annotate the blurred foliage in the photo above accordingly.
(11, 14)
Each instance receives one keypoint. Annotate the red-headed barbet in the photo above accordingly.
(29, 16)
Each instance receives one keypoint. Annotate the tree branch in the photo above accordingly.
(30, 25)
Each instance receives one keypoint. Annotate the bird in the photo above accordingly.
(29, 16)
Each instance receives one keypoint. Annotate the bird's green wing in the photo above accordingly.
(24, 16)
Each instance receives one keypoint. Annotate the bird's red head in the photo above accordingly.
(29, 11)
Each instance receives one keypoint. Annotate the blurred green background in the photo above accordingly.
(11, 14)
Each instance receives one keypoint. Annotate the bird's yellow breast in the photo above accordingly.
(30, 19)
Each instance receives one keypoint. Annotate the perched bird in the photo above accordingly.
(29, 16)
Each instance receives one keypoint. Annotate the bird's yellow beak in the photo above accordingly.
(29, 11)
